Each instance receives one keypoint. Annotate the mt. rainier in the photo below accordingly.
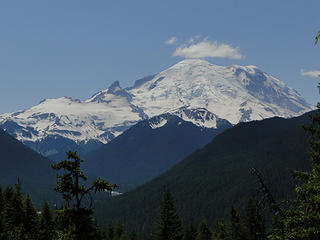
(190, 88)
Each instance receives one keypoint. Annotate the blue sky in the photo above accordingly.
(75, 48)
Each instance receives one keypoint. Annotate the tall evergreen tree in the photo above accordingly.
(234, 226)
(133, 235)
(118, 232)
(110, 231)
(220, 231)
(169, 225)
(47, 231)
(254, 222)
(1, 211)
(13, 214)
(204, 232)
(190, 233)
(75, 216)
(31, 218)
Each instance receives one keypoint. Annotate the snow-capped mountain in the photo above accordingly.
(193, 89)
(236, 93)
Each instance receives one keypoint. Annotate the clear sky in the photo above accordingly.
(75, 48)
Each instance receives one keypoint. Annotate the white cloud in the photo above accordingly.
(193, 39)
(205, 48)
(313, 74)
(171, 41)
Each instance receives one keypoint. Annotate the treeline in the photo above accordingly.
(20, 220)
(249, 226)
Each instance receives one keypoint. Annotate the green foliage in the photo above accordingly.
(118, 232)
(169, 225)
(235, 228)
(47, 225)
(254, 222)
(31, 218)
(110, 232)
(19, 218)
(70, 185)
(317, 38)
(204, 232)
(190, 233)
(77, 222)
(220, 231)
(133, 235)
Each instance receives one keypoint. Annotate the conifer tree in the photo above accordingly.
(234, 226)
(132, 235)
(204, 232)
(254, 222)
(31, 218)
(110, 232)
(75, 217)
(169, 225)
(1, 211)
(118, 231)
(13, 214)
(220, 231)
(190, 233)
(46, 223)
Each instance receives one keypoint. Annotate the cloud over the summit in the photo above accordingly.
(207, 49)
(313, 73)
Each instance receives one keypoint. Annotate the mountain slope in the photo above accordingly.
(19, 161)
(235, 93)
(152, 146)
(210, 180)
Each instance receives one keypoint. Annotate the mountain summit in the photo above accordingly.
(236, 93)
(195, 90)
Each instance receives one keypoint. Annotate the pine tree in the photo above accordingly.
(169, 225)
(77, 219)
(235, 229)
(133, 235)
(31, 218)
(118, 231)
(1, 211)
(254, 222)
(110, 232)
(204, 232)
(13, 214)
(46, 223)
(190, 233)
(220, 231)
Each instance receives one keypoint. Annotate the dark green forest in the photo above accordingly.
(208, 182)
